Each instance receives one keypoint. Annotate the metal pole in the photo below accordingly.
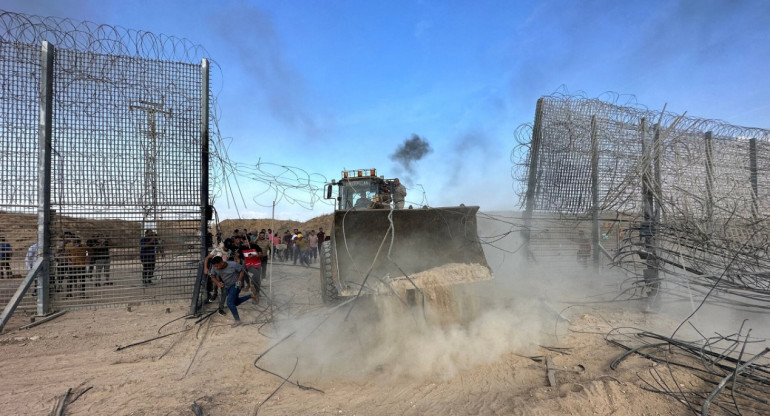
(651, 273)
(534, 154)
(44, 177)
(40, 268)
(10, 307)
(753, 176)
(657, 186)
(709, 178)
(154, 160)
(204, 189)
(594, 193)
(647, 196)
(270, 270)
(654, 202)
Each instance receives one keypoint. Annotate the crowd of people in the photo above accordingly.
(240, 263)
(76, 262)
(6, 253)
(236, 263)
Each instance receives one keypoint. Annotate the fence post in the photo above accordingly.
(753, 176)
(709, 178)
(647, 191)
(657, 186)
(44, 177)
(594, 193)
(204, 189)
(651, 274)
(534, 154)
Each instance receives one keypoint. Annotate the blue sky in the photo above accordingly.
(329, 85)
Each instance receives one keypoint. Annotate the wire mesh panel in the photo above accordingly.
(19, 112)
(19, 80)
(626, 138)
(125, 160)
(126, 178)
(688, 196)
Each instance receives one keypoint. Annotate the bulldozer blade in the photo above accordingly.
(385, 244)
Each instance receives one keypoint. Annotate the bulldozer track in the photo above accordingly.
(328, 288)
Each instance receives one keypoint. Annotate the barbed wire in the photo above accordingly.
(97, 38)
(100, 52)
(281, 183)
(270, 182)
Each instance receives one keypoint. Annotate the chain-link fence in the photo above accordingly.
(113, 200)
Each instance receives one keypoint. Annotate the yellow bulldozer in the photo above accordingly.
(375, 248)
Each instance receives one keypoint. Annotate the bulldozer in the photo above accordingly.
(374, 248)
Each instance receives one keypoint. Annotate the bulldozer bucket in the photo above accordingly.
(387, 245)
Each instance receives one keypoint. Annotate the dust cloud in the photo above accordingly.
(464, 326)
(461, 326)
(384, 340)
(559, 282)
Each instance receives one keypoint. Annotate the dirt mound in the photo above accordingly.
(228, 226)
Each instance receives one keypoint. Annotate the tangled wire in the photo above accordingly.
(691, 192)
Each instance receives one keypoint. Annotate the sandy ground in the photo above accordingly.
(378, 362)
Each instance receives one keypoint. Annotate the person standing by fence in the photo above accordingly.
(313, 242)
(147, 252)
(5, 259)
(289, 252)
(31, 257)
(77, 258)
(100, 252)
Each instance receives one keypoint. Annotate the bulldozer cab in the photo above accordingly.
(362, 189)
(357, 193)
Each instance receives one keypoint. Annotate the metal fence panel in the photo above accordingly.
(126, 159)
(19, 112)
(563, 163)
(19, 87)
(681, 195)
(126, 164)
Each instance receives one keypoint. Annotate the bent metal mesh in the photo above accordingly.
(126, 158)
(564, 161)
(685, 196)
